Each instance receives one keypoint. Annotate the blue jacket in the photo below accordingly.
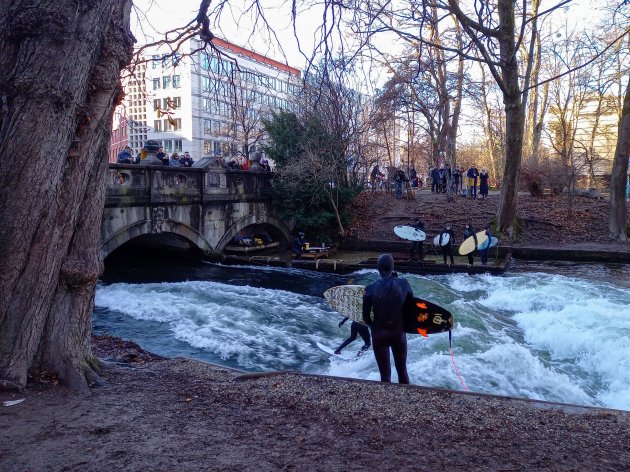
(125, 158)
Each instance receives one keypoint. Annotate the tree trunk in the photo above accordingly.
(618, 210)
(59, 83)
(514, 119)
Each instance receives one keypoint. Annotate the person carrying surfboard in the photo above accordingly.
(485, 247)
(356, 328)
(468, 232)
(418, 225)
(446, 243)
(386, 298)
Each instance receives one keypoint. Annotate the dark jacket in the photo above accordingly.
(451, 238)
(473, 173)
(386, 297)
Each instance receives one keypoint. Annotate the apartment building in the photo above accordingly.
(207, 102)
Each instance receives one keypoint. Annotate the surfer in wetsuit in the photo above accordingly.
(484, 252)
(447, 249)
(386, 297)
(468, 232)
(356, 328)
(418, 225)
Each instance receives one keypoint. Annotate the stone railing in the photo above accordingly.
(135, 184)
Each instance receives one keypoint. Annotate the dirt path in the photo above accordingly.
(179, 415)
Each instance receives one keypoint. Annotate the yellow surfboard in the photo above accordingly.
(469, 246)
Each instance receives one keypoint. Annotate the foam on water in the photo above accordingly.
(534, 335)
(256, 328)
(540, 336)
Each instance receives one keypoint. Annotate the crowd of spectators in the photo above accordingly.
(467, 183)
(174, 160)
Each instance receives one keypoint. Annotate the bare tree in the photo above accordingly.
(59, 83)
(618, 224)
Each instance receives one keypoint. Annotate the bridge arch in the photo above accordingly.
(145, 227)
(249, 220)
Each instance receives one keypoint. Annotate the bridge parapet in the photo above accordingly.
(131, 184)
(206, 205)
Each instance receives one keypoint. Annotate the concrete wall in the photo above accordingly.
(206, 205)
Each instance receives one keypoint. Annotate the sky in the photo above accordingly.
(157, 16)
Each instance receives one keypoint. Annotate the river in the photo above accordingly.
(554, 331)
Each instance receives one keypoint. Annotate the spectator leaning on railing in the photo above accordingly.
(125, 156)
(186, 160)
(174, 160)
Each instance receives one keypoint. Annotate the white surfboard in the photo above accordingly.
(409, 233)
(345, 355)
(445, 239)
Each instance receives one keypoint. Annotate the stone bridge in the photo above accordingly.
(200, 207)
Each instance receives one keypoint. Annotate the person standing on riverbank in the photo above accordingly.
(387, 297)
(468, 232)
(418, 225)
(299, 245)
(484, 252)
(447, 248)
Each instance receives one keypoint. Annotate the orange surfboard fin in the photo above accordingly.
(421, 305)
(423, 332)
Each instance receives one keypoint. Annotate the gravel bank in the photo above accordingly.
(178, 414)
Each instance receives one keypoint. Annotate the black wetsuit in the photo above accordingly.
(467, 234)
(417, 245)
(484, 252)
(355, 329)
(387, 297)
(447, 249)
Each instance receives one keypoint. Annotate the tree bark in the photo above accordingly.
(514, 119)
(617, 223)
(60, 64)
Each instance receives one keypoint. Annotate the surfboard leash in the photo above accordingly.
(450, 348)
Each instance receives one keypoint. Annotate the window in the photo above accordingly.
(156, 104)
(176, 81)
(177, 144)
(178, 124)
(165, 103)
(155, 61)
(165, 60)
(176, 103)
(166, 81)
(207, 126)
(207, 148)
(176, 58)
(207, 84)
(217, 147)
(156, 84)
(157, 125)
(207, 105)
(168, 146)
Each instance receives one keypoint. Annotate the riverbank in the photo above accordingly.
(180, 414)
(544, 222)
